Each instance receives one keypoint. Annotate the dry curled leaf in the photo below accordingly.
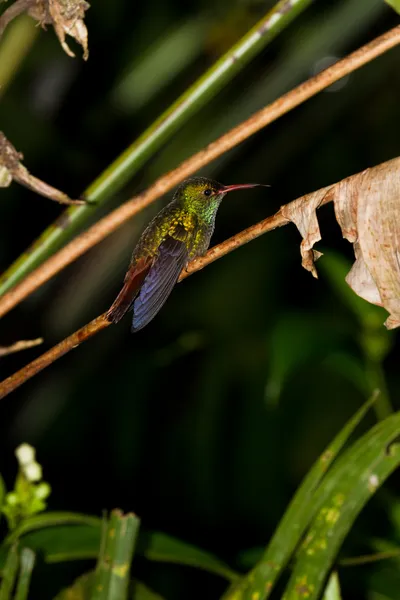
(66, 16)
(302, 213)
(367, 208)
(11, 169)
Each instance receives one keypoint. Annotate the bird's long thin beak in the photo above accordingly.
(241, 186)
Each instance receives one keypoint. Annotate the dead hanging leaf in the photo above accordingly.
(66, 16)
(367, 208)
(302, 213)
(11, 169)
(18, 346)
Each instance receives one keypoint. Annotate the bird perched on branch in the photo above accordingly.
(178, 233)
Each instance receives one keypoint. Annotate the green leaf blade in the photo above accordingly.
(111, 581)
(395, 4)
(27, 562)
(294, 522)
(342, 495)
(143, 592)
(9, 573)
(51, 519)
(161, 547)
(332, 590)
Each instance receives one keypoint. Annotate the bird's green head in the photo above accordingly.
(202, 194)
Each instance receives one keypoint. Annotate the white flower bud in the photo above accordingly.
(25, 454)
(42, 490)
(33, 471)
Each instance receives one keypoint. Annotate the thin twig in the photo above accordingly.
(249, 234)
(71, 342)
(369, 558)
(235, 136)
(20, 345)
(101, 322)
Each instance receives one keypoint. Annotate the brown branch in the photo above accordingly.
(20, 345)
(13, 169)
(71, 342)
(251, 233)
(235, 136)
(101, 322)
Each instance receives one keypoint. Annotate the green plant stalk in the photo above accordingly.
(14, 47)
(261, 579)
(25, 573)
(111, 581)
(9, 573)
(362, 469)
(129, 162)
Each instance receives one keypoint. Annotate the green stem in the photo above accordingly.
(9, 573)
(112, 575)
(129, 162)
(14, 47)
(25, 574)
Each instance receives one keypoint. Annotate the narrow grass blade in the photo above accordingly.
(260, 580)
(394, 4)
(142, 592)
(332, 590)
(111, 580)
(129, 162)
(81, 589)
(9, 573)
(344, 492)
(165, 548)
(51, 519)
(63, 542)
(27, 562)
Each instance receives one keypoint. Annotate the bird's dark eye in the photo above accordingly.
(207, 192)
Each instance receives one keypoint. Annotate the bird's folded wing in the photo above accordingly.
(171, 258)
(133, 280)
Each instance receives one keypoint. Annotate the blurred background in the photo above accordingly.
(205, 422)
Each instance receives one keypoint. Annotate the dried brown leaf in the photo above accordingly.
(302, 212)
(11, 169)
(367, 208)
(67, 18)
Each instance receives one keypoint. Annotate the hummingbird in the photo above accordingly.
(180, 232)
